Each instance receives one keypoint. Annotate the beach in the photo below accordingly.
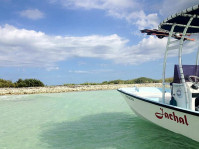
(70, 88)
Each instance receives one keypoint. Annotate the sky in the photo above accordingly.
(78, 41)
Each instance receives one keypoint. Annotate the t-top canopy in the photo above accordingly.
(181, 19)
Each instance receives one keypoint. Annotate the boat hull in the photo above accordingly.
(176, 119)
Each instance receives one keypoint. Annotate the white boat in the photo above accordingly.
(176, 110)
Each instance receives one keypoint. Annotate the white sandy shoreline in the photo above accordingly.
(75, 88)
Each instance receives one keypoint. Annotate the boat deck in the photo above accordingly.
(149, 93)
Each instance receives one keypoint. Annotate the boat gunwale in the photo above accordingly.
(161, 104)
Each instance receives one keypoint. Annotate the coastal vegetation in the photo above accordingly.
(21, 83)
(6, 83)
(37, 83)
(29, 83)
(133, 81)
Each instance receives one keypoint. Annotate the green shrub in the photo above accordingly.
(133, 81)
(104, 83)
(88, 83)
(169, 80)
(6, 83)
(116, 82)
(29, 83)
(145, 80)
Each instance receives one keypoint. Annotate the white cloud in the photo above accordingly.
(98, 4)
(33, 14)
(79, 71)
(129, 10)
(148, 49)
(142, 20)
(90, 71)
(52, 68)
(21, 47)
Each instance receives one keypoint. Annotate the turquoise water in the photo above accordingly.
(80, 120)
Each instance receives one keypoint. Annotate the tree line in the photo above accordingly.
(133, 81)
(21, 83)
(37, 83)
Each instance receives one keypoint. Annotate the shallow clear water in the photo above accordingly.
(80, 120)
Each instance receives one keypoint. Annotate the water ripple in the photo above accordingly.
(114, 131)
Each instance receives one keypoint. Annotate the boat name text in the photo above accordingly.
(172, 116)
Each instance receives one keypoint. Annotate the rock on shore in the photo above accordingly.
(72, 88)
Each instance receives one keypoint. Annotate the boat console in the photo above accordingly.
(191, 75)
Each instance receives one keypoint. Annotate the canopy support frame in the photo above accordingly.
(179, 59)
(181, 25)
(165, 61)
(197, 57)
(180, 62)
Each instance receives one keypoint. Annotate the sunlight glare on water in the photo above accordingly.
(80, 120)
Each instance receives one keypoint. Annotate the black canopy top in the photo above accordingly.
(181, 19)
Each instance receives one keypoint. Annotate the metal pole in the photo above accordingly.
(180, 62)
(197, 57)
(197, 64)
(165, 61)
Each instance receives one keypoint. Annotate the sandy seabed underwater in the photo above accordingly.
(80, 120)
